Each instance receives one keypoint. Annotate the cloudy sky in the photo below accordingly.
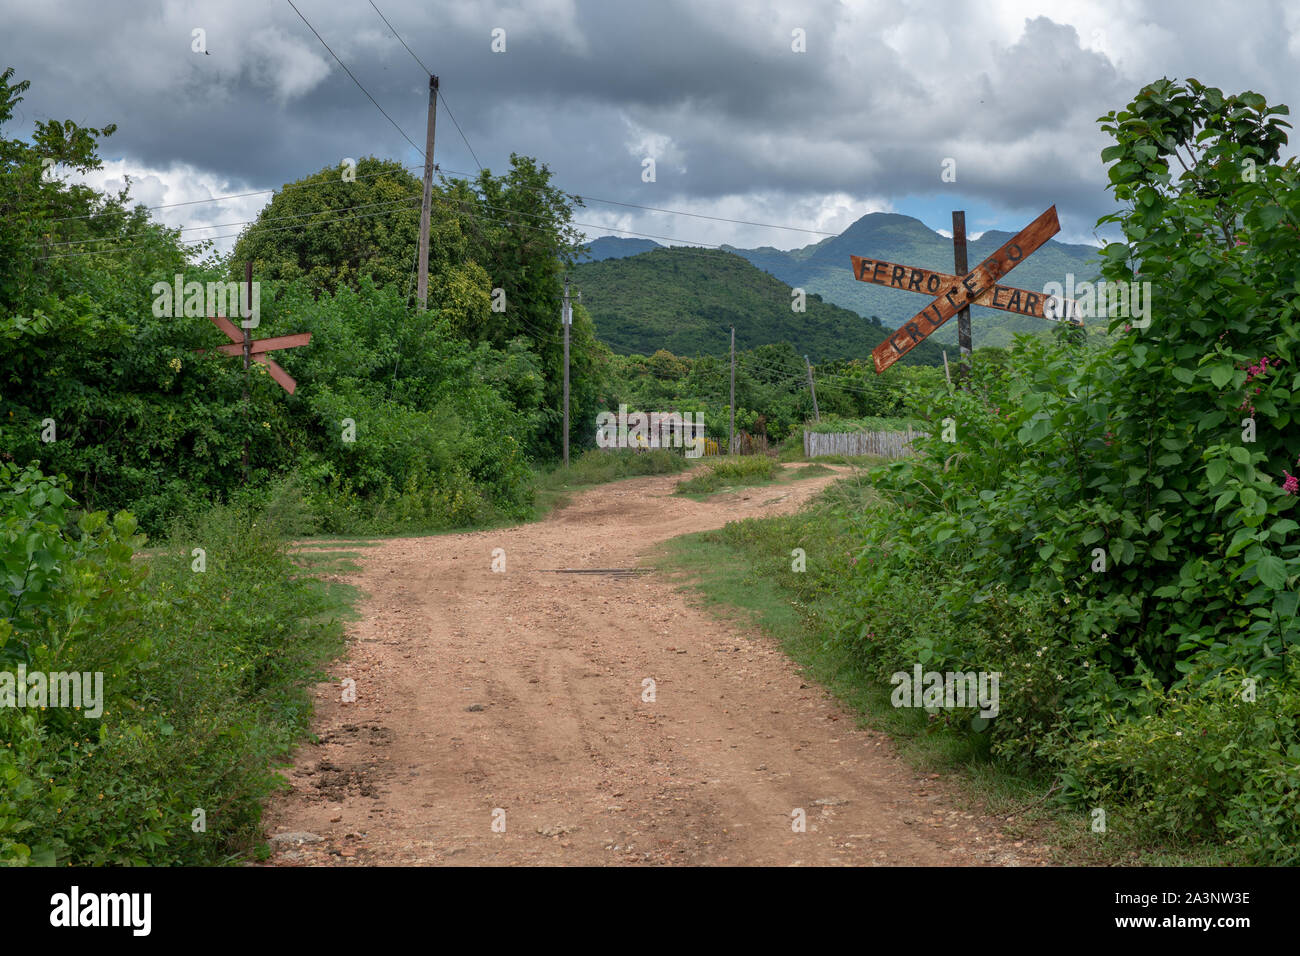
(741, 123)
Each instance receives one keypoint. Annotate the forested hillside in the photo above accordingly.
(685, 300)
(823, 268)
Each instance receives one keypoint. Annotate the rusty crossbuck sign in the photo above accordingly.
(256, 350)
(953, 293)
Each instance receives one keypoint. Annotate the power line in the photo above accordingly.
(832, 380)
(616, 202)
(679, 212)
(447, 106)
(399, 39)
(472, 154)
(354, 79)
(588, 225)
(232, 235)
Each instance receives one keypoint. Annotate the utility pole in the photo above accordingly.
(731, 421)
(812, 388)
(422, 287)
(248, 352)
(566, 319)
(959, 263)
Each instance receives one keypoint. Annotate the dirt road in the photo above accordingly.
(517, 698)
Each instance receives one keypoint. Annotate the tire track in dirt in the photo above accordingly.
(523, 691)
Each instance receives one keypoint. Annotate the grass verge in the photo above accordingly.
(727, 473)
(203, 651)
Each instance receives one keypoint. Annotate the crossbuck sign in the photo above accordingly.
(954, 293)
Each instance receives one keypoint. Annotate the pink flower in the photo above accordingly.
(1292, 484)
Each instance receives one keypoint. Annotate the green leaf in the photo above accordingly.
(1272, 571)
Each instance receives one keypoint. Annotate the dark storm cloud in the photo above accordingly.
(738, 123)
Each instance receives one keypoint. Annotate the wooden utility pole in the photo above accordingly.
(731, 420)
(422, 286)
(812, 388)
(566, 319)
(959, 267)
(248, 353)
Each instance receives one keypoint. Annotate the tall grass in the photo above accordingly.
(730, 472)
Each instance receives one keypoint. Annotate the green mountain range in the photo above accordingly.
(824, 268)
(686, 299)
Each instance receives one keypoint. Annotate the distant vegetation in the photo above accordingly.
(824, 268)
(685, 300)
(772, 395)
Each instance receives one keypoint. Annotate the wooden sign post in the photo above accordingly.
(955, 293)
(959, 266)
(255, 351)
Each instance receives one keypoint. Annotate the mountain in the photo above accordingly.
(685, 299)
(616, 247)
(824, 268)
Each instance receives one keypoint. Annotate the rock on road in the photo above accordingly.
(516, 698)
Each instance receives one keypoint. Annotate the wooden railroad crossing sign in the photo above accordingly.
(257, 349)
(243, 344)
(953, 293)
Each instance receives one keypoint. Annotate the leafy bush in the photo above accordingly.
(1108, 522)
(1209, 758)
(203, 679)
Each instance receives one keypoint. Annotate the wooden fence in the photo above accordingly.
(883, 444)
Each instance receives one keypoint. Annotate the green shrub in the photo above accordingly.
(1109, 521)
(204, 676)
(1215, 761)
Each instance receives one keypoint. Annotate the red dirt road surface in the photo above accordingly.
(515, 698)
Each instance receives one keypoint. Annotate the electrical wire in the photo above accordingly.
(428, 71)
(242, 222)
(355, 80)
(255, 192)
(233, 235)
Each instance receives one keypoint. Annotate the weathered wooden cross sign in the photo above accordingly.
(256, 351)
(953, 293)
